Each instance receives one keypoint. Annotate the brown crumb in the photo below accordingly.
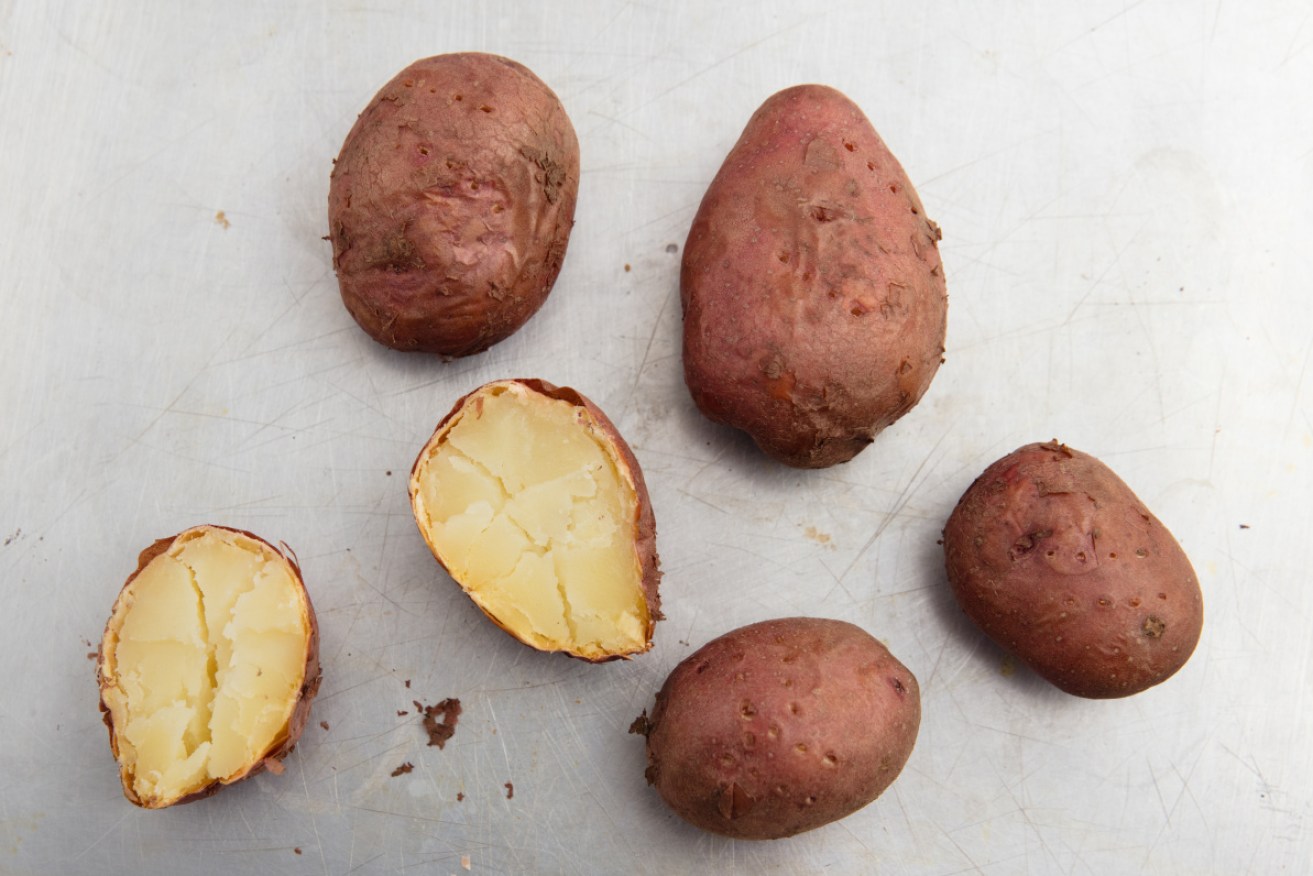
(465, 862)
(440, 730)
(221, 219)
(401, 712)
(628, 268)
(407, 682)
(297, 850)
(510, 790)
(1244, 526)
(403, 769)
(323, 724)
(460, 796)
(388, 472)
(91, 655)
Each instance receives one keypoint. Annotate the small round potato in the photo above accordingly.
(780, 727)
(208, 666)
(451, 204)
(1054, 557)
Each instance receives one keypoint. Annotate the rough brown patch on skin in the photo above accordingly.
(1154, 627)
(398, 254)
(551, 175)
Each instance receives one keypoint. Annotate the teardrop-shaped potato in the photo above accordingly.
(814, 297)
(530, 499)
(208, 666)
(1058, 561)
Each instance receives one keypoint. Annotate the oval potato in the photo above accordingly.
(780, 727)
(451, 204)
(1054, 557)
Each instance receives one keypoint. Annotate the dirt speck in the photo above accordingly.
(628, 267)
(817, 536)
(672, 248)
(460, 796)
(403, 769)
(296, 851)
(510, 790)
(18, 533)
(324, 724)
(641, 725)
(222, 220)
(91, 655)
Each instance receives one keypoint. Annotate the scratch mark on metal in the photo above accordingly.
(904, 497)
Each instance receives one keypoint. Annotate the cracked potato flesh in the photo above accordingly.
(533, 503)
(207, 666)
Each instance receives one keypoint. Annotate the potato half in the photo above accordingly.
(208, 665)
(531, 500)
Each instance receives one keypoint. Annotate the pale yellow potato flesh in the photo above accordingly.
(204, 658)
(521, 500)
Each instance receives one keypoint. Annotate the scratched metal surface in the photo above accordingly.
(1125, 195)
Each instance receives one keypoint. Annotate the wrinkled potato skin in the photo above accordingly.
(1054, 557)
(781, 727)
(451, 204)
(814, 298)
(284, 743)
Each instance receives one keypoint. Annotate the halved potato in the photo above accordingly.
(531, 500)
(208, 665)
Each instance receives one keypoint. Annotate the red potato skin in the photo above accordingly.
(814, 299)
(451, 204)
(780, 727)
(644, 520)
(284, 743)
(1057, 561)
